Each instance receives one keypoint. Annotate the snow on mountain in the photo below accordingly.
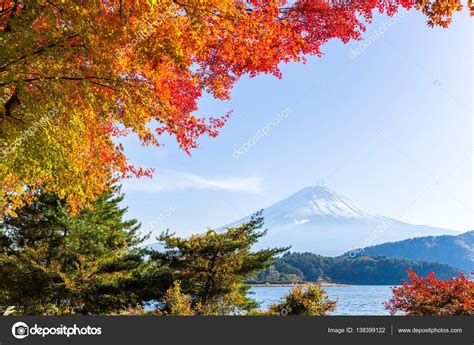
(318, 201)
(318, 220)
(313, 205)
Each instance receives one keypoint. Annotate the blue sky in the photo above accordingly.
(389, 127)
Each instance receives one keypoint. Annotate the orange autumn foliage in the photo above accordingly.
(432, 296)
(76, 74)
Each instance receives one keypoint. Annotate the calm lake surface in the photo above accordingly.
(351, 300)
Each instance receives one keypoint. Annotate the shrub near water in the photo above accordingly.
(432, 296)
(307, 300)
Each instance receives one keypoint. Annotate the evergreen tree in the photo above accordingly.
(55, 263)
(212, 267)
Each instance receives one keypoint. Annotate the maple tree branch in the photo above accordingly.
(55, 6)
(76, 78)
(4, 12)
(38, 51)
(12, 104)
(89, 79)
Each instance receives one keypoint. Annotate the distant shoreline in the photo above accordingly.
(294, 284)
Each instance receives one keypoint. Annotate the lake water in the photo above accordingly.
(351, 300)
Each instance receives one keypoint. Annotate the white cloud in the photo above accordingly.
(166, 180)
(299, 222)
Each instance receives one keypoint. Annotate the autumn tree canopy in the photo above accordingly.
(432, 296)
(76, 74)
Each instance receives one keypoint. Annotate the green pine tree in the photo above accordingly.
(212, 267)
(55, 263)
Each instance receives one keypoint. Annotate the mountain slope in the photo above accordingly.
(318, 220)
(364, 270)
(453, 250)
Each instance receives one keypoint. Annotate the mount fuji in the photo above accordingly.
(316, 219)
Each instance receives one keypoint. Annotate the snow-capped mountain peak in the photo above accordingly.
(317, 201)
(317, 219)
